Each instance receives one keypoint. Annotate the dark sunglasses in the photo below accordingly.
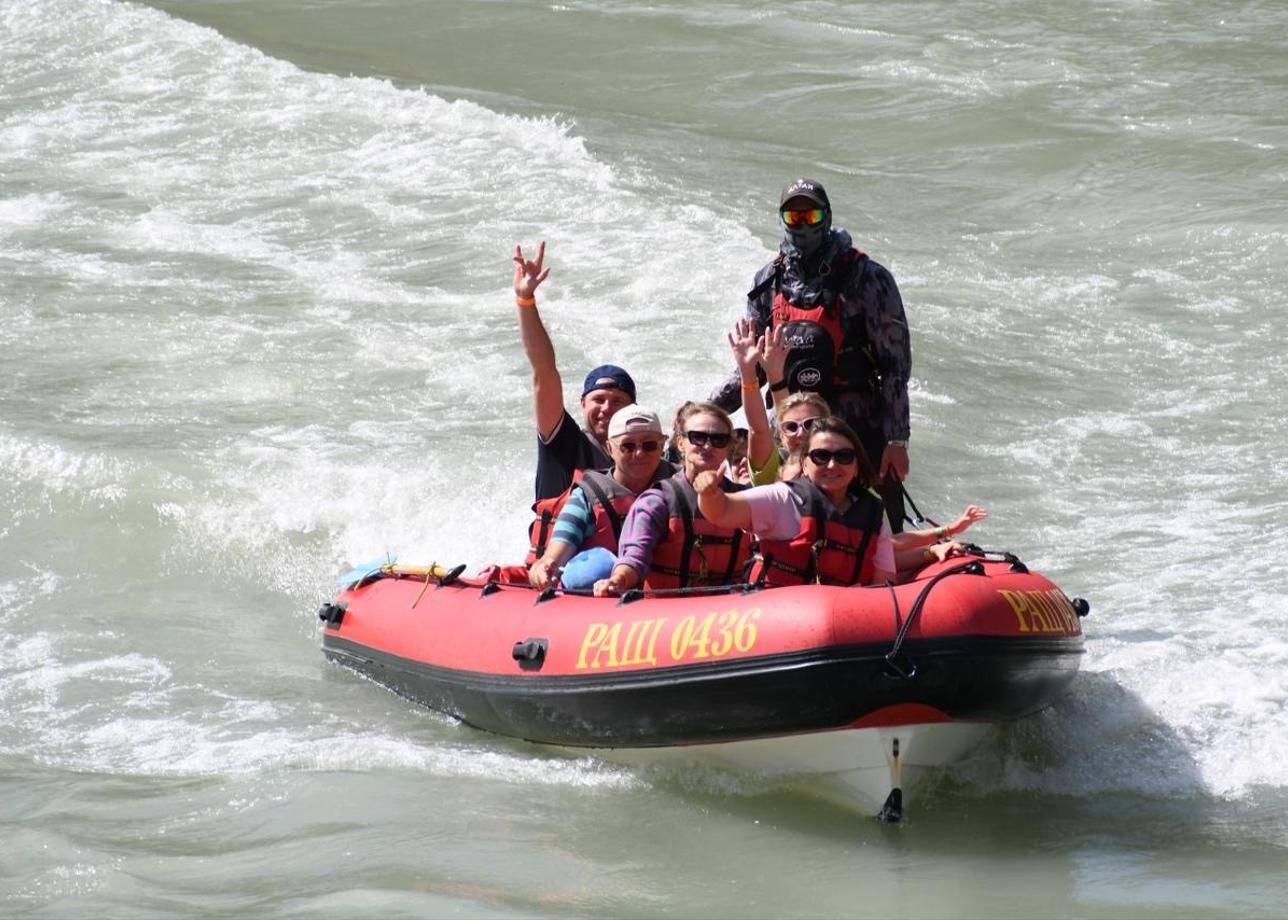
(810, 217)
(703, 438)
(804, 424)
(647, 447)
(843, 457)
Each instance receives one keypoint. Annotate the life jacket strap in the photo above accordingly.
(614, 519)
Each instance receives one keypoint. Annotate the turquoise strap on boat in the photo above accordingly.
(364, 571)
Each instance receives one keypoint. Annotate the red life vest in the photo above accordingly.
(695, 552)
(544, 511)
(831, 548)
(822, 356)
(610, 500)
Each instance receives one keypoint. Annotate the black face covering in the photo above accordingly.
(806, 240)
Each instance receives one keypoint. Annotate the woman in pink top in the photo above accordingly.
(831, 506)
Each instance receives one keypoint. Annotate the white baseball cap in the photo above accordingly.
(631, 419)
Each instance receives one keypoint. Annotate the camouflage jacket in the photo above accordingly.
(871, 297)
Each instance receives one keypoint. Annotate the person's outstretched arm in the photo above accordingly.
(547, 386)
(912, 539)
(747, 353)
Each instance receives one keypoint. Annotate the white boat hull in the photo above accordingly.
(856, 767)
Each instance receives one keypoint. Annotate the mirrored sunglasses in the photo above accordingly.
(811, 217)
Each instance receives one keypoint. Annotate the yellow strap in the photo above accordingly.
(433, 570)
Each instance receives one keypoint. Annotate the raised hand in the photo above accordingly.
(745, 346)
(972, 515)
(773, 353)
(529, 273)
(708, 479)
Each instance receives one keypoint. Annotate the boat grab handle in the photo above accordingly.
(902, 672)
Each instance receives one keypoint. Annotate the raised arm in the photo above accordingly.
(547, 386)
(747, 353)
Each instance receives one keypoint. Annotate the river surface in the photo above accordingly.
(255, 323)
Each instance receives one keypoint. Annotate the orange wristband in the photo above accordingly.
(525, 301)
(751, 388)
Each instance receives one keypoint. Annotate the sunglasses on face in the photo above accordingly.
(804, 424)
(808, 218)
(703, 438)
(843, 457)
(644, 447)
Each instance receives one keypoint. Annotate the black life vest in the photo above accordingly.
(823, 357)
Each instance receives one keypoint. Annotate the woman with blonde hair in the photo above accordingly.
(796, 415)
(666, 542)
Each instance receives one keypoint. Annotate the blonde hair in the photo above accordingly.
(801, 398)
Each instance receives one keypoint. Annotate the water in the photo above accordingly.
(254, 274)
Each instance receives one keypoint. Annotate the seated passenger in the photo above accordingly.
(563, 448)
(597, 504)
(666, 542)
(797, 413)
(825, 527)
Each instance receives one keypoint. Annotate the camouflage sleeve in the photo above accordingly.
(728, 395)
(881, 308)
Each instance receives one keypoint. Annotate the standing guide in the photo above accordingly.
(844, 326)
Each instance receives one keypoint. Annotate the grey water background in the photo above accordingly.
(255, 326)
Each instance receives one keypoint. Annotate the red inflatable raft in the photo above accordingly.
(858, 688)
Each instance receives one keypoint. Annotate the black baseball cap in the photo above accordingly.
(805, 188)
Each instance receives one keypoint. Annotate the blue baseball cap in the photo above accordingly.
(609, 377)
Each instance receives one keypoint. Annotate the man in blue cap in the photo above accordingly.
(840, 318)
(563, 448)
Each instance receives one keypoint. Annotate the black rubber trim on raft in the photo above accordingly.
(975, 679)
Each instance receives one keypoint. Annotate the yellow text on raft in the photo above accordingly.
(1043, 611)
(637, 644)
